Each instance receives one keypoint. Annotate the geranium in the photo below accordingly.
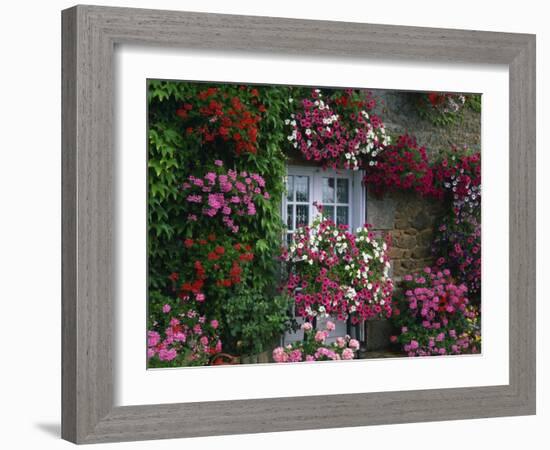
(339, 130)
(335, 272)
(403, 166)
(457, 245)
(182, 336)
(230, 196)
(434, 316)
(216, 116)
(315, 348)
(209, 266)
(441, 108)
(458, 172)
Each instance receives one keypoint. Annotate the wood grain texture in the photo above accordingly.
(89, 36)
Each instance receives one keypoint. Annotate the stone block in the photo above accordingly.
(381, 212)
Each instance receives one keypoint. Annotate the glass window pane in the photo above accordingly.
(289, 239)
(342, 190)
(342, 215)
(290, 188)
(302, 215)
(328, 211)
(301, 186)
(328, 190)
(290, 217)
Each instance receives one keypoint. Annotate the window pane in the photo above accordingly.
(289, 239)
(290, 188)
(290, 217)
(342, 215)
(301, 185)
(328, 211)
(302, 215)
(328, 190)
(342, 191)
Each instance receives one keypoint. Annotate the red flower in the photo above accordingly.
(213, 256)
(182, 113)
(174, 276)
(188, 243)
(434, 98)
(219, 250)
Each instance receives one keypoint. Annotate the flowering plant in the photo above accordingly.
(180, 336)
(460, 241)
(315, 347)
(253, 321)
(459, 174)
(209, 266)
(434, 316)
(402, 166)
(215, 115)
(334, 272)
(441, 108)
(339, 130)
(229, 195)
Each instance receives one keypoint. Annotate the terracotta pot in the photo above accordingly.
(223, 359)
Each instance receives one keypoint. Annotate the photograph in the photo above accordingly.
(290, 224)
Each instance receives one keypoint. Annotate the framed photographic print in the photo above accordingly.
(267, 230)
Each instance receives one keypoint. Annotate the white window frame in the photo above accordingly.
(358, 194)
(358, 216)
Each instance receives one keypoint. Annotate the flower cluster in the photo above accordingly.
(459, 174)
(441, 108)
(183, 336)
(339, 131)
(215, 116)
(403, 166)
(434, 316)
(335, 272)
(229, 194)
(315, 347)
(209, 265)
(460, 241)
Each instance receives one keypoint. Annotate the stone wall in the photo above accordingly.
(409, 218)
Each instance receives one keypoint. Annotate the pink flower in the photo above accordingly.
(340, 342)
(214, 324)
(306, 326)
(354, 344)
(200, 297)
(153, 338)
(204, 340)
(279, 355)
(167, 355)
(347, 354)
(330, 325)
(218, 163)
(320, 336)
(166, 308)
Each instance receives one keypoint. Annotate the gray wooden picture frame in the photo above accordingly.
(90, 34)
